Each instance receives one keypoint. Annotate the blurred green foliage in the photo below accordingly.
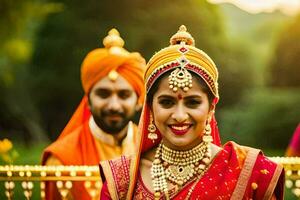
(264, 118)
(258, 34)
(285, 64)
(18, 24)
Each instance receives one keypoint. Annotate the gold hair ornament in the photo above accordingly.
(181, 77)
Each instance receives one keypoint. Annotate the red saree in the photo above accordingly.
(237, 172)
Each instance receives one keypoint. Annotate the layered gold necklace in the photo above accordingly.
(178, 167)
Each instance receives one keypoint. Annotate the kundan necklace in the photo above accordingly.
(178, 167)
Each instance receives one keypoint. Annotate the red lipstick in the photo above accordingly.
(180, 129)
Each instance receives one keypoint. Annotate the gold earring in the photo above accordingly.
(152, 130)
(207, 135)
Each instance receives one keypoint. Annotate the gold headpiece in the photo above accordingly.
(180, 77)
(182, 36)
(182, 57)
(113, 39)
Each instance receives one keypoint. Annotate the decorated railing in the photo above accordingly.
(64, 176)
(36, 176)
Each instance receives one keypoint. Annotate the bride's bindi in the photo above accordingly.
(179, 96)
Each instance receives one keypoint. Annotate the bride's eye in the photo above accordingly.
(166, 102)
(193, 103)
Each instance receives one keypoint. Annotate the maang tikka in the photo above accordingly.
(152, 129)
(181, 77)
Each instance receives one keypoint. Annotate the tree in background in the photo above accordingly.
(269, 112)
(66, 37)
(18, 22)
(285, 65)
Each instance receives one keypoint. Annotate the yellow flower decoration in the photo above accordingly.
(7, 153)
(5, 146)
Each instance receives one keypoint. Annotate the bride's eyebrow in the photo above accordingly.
(164, 96)
(193, 96)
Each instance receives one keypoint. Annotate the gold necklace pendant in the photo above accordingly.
(180, 174)
(177, 167)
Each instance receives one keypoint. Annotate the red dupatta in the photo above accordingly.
(237, 172)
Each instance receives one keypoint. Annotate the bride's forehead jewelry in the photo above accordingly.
(179, 96)
(181, 77)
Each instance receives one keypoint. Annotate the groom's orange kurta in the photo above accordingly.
(76, 145)
(80, 148)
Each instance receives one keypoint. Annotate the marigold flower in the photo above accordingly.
(5, 146)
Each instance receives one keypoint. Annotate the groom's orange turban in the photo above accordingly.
(111, 61)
